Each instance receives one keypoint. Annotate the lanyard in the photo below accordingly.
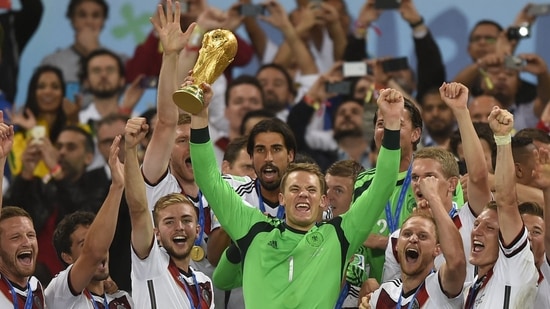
(393, 221)
(280, 209)
(411, 302)
(476, 287)
(198, 241)
(28, 302)
(343, 295)
(90, 297)
(188, 292)
(453, 212)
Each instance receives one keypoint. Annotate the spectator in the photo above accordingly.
(251, 118)
(45, 113)
(481, 106)
(87, 19)
(82, 242)
(67, 189)
(439, 120)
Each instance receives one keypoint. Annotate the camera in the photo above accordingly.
(387, 4)
(343, 87)
(395, 64)
(514, 62)
(517, 33)
(251, 10)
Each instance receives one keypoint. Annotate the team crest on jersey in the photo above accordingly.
(415, 304)
(37, 302)
(206, 295)
(315, 239)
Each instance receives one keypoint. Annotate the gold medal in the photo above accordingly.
(197, 253)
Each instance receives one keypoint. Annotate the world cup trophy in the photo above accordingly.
(218, 50)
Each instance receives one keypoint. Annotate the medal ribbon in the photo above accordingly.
(280, 209)
(475, 288)
(180, 280)
(28, 301)
(419, 289)
(393, 221)
(198, 241)
(94, 303)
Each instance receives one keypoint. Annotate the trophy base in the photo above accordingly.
(189, 99)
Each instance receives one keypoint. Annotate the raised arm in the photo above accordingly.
(453, 272)
(140, 215)
(279, 18)
(360, 219)
(102, 230)
(6, 142)
(544, 168)
(455, 95)
(173, 40)
(502, 123)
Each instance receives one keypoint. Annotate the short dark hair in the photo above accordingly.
(110, 119)
(275, 125)
(484, 22)
(243, 80)
(280, 68)
(531, 208)
(74, 3)
(264, 113)
(484, 132)
(345, 168)
(8, 212)
(233, 148)
(415, 116)
(520, 149)
(62, 234)
(89, 144)
(84, 73)
(534, 134)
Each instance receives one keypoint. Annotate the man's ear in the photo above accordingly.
(415, 135)
(519, 170)
(225, 166)
(453, 182)
(437, 250)
(281, 199)
(67, 258)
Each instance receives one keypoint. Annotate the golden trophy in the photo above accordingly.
(218, 50)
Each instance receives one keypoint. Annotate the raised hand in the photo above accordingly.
(408, 11)
(6, 138)
(541, 173)
(391, 104)
(25, 119)
(71, 109)
(135, 130)
(368, 13)
(455, 95)
(429, 188)
(501, 121)
(212, 18)
(535, 64)
(277, 15)
(117, 168)
(167, 26)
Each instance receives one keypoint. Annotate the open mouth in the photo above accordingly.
(302, 207)
(179, 240)
(188, 163)
(25, 257)
(411, 255)
(269, 173)
(478, 246)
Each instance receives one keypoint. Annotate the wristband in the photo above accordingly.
(196, 37)
(503, 139)
(124, 110)
(311, 102)
(418, 23)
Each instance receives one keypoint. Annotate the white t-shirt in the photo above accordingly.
(167, 185)
(59, 295)
(37, 294)
(247, 189)
(543, 292)
(464, 221)
(514, 278)
(387, 296)
(151, 279)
